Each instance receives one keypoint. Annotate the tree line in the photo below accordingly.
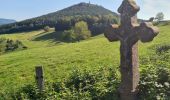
(95, 23)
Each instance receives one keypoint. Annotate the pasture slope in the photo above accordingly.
(59, 58)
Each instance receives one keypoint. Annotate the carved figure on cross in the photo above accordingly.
(129, 32)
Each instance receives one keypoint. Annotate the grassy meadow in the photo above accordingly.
(59, 59)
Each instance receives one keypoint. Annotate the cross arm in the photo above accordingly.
(146, 31)
(112, 32)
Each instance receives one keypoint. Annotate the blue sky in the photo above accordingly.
(25, 9)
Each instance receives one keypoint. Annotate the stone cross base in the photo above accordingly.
(129, 96)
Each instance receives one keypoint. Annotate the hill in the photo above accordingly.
(6, 21)
(59, 59)
(94, 15)
(82, 9)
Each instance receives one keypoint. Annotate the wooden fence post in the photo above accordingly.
(39, 78)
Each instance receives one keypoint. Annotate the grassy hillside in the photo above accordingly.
(58, 59)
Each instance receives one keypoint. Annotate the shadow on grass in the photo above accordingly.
(54, 36)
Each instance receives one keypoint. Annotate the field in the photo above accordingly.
(59, 59)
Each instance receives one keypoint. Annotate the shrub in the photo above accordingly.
(81, 30)
(100, 84)
(162, 49)
(155, 77)
(46, 28)
(69, 35)
(155, 85)
(7, 45)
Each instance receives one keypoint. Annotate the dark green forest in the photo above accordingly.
(95, 16)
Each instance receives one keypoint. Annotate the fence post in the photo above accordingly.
(39, 78)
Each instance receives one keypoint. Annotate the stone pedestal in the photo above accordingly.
(129, 96)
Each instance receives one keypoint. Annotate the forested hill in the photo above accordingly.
(82, 9)
(94, 15)
(6, 21)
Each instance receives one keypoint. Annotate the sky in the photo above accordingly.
(25, 9)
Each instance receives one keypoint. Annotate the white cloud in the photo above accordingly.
(149, 8)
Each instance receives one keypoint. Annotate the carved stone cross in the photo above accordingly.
(128, 33)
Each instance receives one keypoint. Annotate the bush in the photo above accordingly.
(7, 45)
(100, 84)
(155, 75)
(46, 28)
(162, 49)
(69, 36)
(79, 32)
(155, 85)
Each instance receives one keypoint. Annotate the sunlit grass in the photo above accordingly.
(58, 59)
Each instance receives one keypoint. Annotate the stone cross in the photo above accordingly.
(128, 33)
(39, 78)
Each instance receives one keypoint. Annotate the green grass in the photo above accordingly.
(58, 59)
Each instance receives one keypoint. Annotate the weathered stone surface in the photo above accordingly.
(128, 33)
(146, 32)
(39, 78)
